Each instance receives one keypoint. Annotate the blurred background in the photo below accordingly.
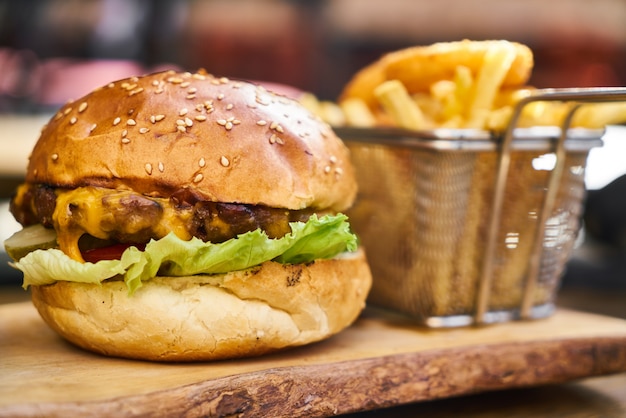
(55, 50)
(313, 45)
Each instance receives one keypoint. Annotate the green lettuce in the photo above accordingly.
(318, 238)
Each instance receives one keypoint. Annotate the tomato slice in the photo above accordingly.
(111, 252)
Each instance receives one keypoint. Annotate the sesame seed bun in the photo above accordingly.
(228, 142)
(239, 314)
(166, 131)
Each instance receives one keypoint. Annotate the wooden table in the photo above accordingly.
(538, 368)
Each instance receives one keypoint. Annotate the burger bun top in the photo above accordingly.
(228, 141)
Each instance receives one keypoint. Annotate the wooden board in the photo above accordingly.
(380, 361)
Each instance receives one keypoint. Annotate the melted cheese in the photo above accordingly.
(83, 211)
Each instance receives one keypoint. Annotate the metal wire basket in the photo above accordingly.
(469, 227)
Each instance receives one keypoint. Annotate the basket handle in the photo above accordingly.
(578, 96)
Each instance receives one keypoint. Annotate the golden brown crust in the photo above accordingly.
(232, 141)
(239, 314)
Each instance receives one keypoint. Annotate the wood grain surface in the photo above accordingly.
(381, 361)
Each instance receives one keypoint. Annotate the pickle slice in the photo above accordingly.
(31, 238)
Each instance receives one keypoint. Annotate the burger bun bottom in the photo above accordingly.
(208, 317)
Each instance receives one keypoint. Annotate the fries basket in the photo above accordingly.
(467, 227)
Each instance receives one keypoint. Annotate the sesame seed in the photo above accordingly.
(124, 133)
(224, 161)
(161, 167)
(73, 120)
(200, 118)
(92, 127)
(130, 111)
(275, 139)
(275, 126)
(67, 110)
(188, 122)
(175, 80)
(199, 108)
(327, 169)
(198, 178)
(185, 84)
(58, 116)
(224, 80)
(260, 100)
(261, 122)
(229, 106)
(181, 128)
(143, 130)
(148, 168)
(111, 85)
(183, 111)
(191, 96)
(199, 76)
(159, 118)
(155, 82)
(192, 90)
(228, 123)
(220, 96)
(159, 90)
(180, 122)
(202, 162)
(333, 159)
(131, 122)
(125, 140)
(153, 119)
(116, 121)
(136, 91)
(338, 171)
(54, 157)
(82, 107)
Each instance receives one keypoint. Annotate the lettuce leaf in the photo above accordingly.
(318, 238)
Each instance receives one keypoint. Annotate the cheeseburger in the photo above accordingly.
(179, 217)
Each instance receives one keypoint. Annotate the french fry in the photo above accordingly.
(464, 81)
(498, 119)
(465, 84)
(497, 63)
(311, 102)
(430, 106)
(599, 115)
(357, 113)
(332, 113)
(396, 101)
